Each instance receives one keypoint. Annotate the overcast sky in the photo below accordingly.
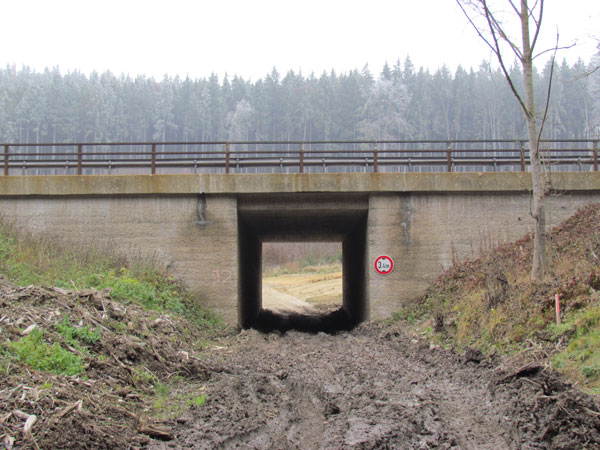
(248, 38)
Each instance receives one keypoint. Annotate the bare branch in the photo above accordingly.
(514, 7)
(530, 13)
(565, 47)
(538, 25)
(587, 73)
(501, 61)
(495, 25)
(549, 90)
(512, 86)
(477, 30)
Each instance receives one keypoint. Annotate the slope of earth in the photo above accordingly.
(492, 303)
(376, 387)
(79, 370)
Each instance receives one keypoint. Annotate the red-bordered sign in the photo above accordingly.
(384, 265)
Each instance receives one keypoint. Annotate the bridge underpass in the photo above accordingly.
(311, 218)
(207, 229)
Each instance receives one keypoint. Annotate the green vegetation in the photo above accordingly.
(580, 359)
(127, 328)
(25, 260)
(197, 401)
(74, 336)
(171, 400)
(34, 352)
(282, 258)
(312, 260)
(295, 268)
(492, 304)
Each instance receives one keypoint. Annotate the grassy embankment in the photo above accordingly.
(25, 260)
(492, 304)
(74, 342)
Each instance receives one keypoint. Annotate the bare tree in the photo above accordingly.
(494, 28)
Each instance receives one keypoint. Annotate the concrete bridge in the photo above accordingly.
(209, 228)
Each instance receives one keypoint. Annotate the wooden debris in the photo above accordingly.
(155, 432)
(31, 420)
(20, 414)
(132, 359)
(75, 406)
(8, 442)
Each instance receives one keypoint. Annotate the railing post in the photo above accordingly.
(153, 159)
(375, 155)
(301, 158)
(6, 160)
(595, 156)
(522, 148)
(79, 159)
(449, 154)
(226, 157)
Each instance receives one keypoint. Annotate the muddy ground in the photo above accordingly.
(150, 383)
(377, 387)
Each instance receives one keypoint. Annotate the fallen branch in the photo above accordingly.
(77, 405)
(161, 433)
(29, 423)
(525, 371)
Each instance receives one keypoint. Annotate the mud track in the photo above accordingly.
(376, 387)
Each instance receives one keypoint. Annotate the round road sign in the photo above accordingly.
(384, 265)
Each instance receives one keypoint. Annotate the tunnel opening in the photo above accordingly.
(302, 285)
(263, 220)
(302, 277)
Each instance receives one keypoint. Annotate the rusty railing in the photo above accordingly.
(294, 157)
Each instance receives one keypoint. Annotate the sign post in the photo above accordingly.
(384, 265)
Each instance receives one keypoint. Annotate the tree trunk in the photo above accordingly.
(538, 266)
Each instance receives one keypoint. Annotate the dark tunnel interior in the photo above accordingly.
(309, 217)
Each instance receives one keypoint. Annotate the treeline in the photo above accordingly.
(279, 254)
(400, 102)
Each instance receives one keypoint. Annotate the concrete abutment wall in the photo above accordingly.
(165, 229)
(209, 229)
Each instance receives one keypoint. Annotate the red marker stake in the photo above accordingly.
(557, 303)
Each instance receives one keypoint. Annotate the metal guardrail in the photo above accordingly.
(295, 156)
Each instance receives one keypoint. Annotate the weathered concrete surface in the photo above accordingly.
(288, 183)
(426, 232)
(201, 250)
(192, 223)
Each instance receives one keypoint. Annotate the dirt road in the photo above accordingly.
(303, 293)
(376, 387)
(284, 303)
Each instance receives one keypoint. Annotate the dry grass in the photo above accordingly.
(491, 302)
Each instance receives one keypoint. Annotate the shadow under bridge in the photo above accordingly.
(296, 218)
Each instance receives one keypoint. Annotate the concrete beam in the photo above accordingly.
(58, 185)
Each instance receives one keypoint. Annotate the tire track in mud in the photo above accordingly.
(373, 387)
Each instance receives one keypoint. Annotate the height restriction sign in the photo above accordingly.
(384, 265)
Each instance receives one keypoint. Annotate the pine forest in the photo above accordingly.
(399, 102)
